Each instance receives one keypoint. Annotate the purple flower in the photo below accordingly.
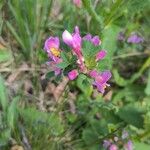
(128, 146)
(121, 36)
(100, 55)
(113, 147)
(73, 74)
(51, 46)
(95, 40)
(106, 144)
(100, 80)
(135, 39)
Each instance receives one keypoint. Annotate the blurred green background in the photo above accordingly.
(31, 117)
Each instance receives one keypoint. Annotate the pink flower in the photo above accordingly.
(113, 147)
(74, 41)
(95, 40)
(77, 3)
(129, 145)
(101, 81)
(93, 73)
(73, 74)
(51, 46)
(100, 55)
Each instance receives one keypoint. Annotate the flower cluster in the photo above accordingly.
(74, 41)
(124, 141)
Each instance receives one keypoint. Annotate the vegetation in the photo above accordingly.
(42, 110)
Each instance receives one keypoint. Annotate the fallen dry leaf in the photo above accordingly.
(17, 147)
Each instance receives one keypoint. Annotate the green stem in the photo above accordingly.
(142, 69)
(90, 9)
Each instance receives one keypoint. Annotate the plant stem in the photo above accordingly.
(90, 9)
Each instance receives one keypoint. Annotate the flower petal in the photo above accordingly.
(101, 88)
(93, 73)
(67, 38)
(100, 55)
(87, 37)
(113, 147)
(134, 38)
(106, 75)
(51, 42)
(96, 41)
(73, 74)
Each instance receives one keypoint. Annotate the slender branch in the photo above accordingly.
(130, 55)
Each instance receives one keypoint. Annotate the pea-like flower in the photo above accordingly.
(51, 46)
(74, 41)
(73, 74)
(100, 79)
(135, 39)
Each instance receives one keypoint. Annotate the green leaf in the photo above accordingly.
(90, 138)
(130, 93)
(141, 146)
(109, 43)
(56, 125)
(84, 85)
(147, 121)
(90, 9)
(5, 55)
(65, 57)
(3, 95)
(12, 113)
(4, 137)
(12, 29)
(118, 79)
(45, 123)
(89, 52)
(62, 65)
(50, 74)
(132, 115)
